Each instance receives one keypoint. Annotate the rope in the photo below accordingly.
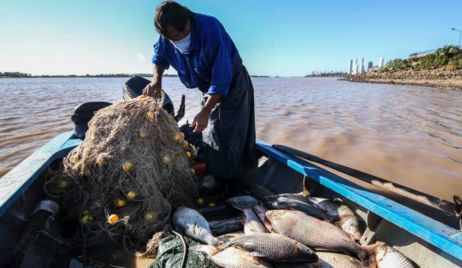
(185, 246)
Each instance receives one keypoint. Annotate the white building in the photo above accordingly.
(363, 69)
(356, 67)
(380, 62)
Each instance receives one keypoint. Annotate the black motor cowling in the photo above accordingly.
(134, 88)
(83, 114)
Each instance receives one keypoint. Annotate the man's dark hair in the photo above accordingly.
(173, 14)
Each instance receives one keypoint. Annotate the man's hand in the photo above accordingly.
(200, 121)
(153, 90)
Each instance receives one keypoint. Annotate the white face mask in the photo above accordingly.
(183, 45)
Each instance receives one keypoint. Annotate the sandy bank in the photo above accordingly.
(433, 78)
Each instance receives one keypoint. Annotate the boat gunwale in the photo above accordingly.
(443, 237)
(14, 183)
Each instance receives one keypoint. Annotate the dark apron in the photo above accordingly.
(230, 136)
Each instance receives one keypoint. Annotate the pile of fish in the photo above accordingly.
(286, 230)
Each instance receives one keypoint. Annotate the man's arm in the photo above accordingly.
(154, 88)
(201, 120)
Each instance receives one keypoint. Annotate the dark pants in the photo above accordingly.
(230, 137)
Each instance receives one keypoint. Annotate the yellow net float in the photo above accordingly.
(184, 144)
(131, 195)
(177, 137)
(86, 219)
(149, 217)
(113, 219)
(200, 201)
(144, 133)
(166, 159)
(120, 202)
(63, 184)
(127, 166)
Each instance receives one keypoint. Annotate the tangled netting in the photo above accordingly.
(124, 178)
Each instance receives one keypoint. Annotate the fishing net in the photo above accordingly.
(131, 169)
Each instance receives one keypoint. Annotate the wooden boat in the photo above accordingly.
(30, 231)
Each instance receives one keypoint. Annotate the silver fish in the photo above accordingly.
(386, 256)
(193, 224)
(252, 224)
(231, 257)
(313, 232)
(344, 217)
(274, 247)
(292, 203)
(331, 259)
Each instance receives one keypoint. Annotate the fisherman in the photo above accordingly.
(198, 47)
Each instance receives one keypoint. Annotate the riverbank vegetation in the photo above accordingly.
(448, 57)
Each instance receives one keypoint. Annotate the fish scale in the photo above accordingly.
(387, 256)
(275, 247)
(312, 232)
(344, 217)
(331, 259)
(231, 257)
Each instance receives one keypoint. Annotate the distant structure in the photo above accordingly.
(363, 69)
(380, 62)
(355, 67)
(421, 54)
(370, 65)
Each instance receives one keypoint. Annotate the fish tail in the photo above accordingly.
(209, 250)
(367, 255)
(211, 240)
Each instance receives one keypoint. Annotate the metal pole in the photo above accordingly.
(460, 34)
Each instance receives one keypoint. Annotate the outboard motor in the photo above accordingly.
(83, 114)
(131, 89)
(134, 88)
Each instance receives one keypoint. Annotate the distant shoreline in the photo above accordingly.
(431, 78)
(25, 75)
(21, 75)
(455, 85)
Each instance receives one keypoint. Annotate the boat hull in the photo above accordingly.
(425, 241)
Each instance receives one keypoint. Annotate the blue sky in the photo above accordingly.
(286, 37)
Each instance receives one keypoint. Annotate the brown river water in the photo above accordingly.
(406, 134)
